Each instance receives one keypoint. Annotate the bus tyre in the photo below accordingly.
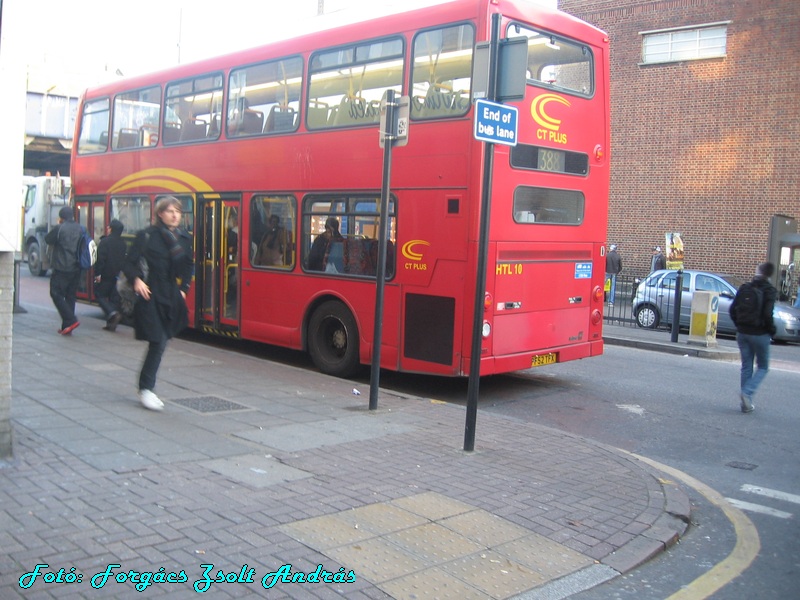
(35, 260)
(647, 316)
(333, 339)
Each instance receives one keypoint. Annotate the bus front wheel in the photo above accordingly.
(333, 339)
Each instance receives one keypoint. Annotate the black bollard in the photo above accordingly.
(676, 310)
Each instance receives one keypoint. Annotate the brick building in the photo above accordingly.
(705, 117)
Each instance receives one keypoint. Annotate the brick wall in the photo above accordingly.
(708, 148)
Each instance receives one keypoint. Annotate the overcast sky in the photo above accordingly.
(90, 40)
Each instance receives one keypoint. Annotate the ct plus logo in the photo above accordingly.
(410, 252)
(550, 126)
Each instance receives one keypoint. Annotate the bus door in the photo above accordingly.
(217, 272)
(92, 216)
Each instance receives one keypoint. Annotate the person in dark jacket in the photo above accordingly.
(160, 312)
(754, 340)
(318, 255)
(657, 262)
(613, 268)
(64, 239)
(110, 258)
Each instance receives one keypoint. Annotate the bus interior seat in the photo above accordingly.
(374, 111)
(128, 138)
(193, 129)
(103, 140)
(438, 103)
(214, 127)
(352, 110)
(252, 122)
(171, 132)
(317, 117)
(149, 135)
(358, 256)
(281, 118)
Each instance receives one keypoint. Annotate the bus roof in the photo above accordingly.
(336, 30)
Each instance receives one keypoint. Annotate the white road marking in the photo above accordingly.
(776, 494)
(634, 408)
(758, 508)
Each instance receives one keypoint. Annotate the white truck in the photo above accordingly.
(42, 198)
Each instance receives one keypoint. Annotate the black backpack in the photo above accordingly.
(749, 306)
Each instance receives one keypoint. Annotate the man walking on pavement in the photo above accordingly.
(613, 268)
(751, 311)
(64, 239)
(110, 259)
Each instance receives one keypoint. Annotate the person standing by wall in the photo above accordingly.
(657, 261)
(64, 239)
(751, 311)
(160, 312)
(110, 259)
(613, 268)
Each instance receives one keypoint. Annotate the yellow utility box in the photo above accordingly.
(703, 325)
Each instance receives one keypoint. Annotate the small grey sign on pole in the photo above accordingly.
(398, 133)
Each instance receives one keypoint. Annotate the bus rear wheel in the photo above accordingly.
(333, 340)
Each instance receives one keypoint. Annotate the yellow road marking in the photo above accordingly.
(741, 557)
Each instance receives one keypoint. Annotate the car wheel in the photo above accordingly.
(647, 316)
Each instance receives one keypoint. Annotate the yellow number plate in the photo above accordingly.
(543, 359)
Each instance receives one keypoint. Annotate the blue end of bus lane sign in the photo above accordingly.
(496, 123)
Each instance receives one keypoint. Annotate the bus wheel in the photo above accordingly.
(333, 339)
(35, 260)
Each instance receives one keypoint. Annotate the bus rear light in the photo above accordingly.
(596, 317)
(487, 301)
(487, 329)
(598, 152)
(598, 293)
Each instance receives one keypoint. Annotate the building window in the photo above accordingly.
(687, 43)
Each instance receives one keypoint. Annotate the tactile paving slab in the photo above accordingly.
(433, 546)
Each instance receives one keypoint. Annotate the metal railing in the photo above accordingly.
(619, 310)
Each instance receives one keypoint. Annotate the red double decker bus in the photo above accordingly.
(268, 146)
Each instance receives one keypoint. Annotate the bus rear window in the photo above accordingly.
(557, 63)
(543, 206)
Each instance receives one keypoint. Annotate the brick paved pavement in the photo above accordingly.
(260, 464)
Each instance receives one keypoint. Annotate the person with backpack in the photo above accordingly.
(751, 312)
(65, 239)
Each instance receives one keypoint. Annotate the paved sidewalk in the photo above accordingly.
(257, 468)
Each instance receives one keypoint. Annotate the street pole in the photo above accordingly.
(483, 251)
(383, 235)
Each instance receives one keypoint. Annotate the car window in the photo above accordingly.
(668, 282)
(705, 283)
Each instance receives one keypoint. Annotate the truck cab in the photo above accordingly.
(42, 198)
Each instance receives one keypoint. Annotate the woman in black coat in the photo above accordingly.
(160, 312)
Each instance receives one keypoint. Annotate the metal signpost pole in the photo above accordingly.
(388, 134)
(483, 250)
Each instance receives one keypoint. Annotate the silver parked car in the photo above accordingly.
(654, 302)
